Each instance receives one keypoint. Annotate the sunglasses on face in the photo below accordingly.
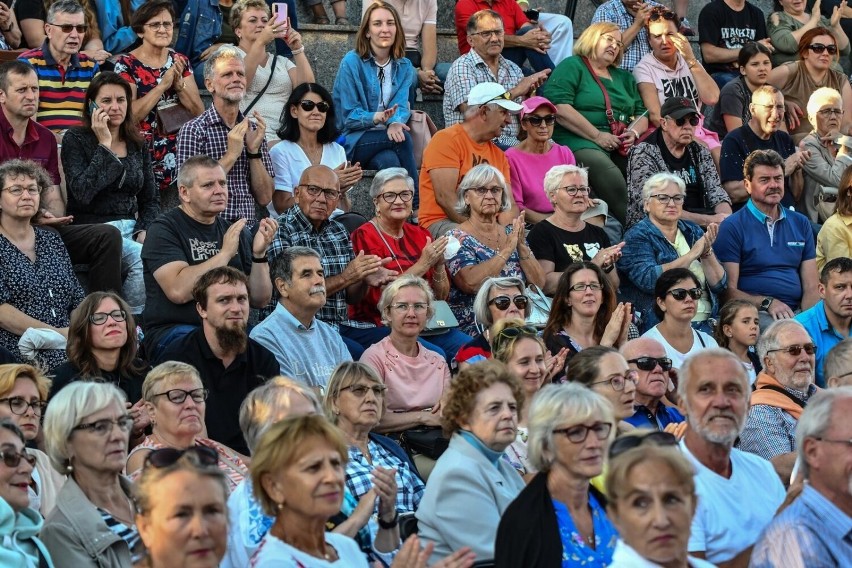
(68, 28)
(795, 350)
(650, 363)
(166, 457)
(820, 47)
(624, 443)
(502, 302)
(537, 120)
(680, 294)
(308, 106)
(100, 318)
(692, 119)
(13, 459)
(578, 434)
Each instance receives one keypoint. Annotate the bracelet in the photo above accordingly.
(298, 51)
(636, 134)
(691, 64)
(259, 260)
(607, 268)
(253, 155)
(389, 524)
(435, 276)
(500, 254)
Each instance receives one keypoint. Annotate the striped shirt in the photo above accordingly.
(62, 90)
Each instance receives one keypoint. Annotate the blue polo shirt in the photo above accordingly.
(665, 415)
(823, 335)
(769, 254)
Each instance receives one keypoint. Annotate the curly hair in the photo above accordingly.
(469, 383)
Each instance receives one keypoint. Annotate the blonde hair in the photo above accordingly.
(10, 373)
(588, 41)
(620, 467)
(167, 373)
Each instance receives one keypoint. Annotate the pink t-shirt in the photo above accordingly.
(528, 171)
(414, 383)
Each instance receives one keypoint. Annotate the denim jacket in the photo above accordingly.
(200, 24)
(356, 95)
(116, 34)
(645, 252)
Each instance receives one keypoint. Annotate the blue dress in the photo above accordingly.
(575, 551)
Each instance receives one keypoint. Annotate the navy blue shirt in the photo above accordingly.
(741, 142)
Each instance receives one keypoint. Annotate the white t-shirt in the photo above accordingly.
(700, 340)
(289, 161)
(732, 513)
(275, 553)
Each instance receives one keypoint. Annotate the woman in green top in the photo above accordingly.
(581, 118)
(788, 24)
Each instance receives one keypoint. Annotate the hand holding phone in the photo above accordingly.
(279, 12)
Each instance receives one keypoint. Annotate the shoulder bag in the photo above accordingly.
(616, 127)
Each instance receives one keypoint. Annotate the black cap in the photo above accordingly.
(678, 107)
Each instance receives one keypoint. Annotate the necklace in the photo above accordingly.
(398, 235)
(314, 156)
(479, 234)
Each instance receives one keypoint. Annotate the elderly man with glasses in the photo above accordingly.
(648, 358)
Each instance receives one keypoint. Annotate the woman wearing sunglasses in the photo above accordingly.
(664, 240)
(308, 135)
(790, 22)
(816, 67)
(86, 434)
(677, 294)
(559, 519)
(19, 521)
(534, 156)
(23, 396)
(174, 399)
(182, 513)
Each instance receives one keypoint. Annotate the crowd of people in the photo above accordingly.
(586, 325)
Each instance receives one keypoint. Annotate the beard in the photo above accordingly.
(233, 339)
(725, 437)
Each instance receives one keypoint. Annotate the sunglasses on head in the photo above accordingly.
(308, 106)
(820, 47)
(795, 350)
(509, 333)
(662, 15)
(537, 120)
(650, 363)
(680, 294)
(502, 302)
(13, 459)
(624, 443)
(167, 457)
(692, 119)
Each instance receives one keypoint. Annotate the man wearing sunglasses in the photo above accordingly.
(648, 358)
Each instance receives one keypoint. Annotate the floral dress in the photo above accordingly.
(163, 148)
(575, 550)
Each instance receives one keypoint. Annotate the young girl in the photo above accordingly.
(737, 331)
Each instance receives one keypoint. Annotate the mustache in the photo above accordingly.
(317, 290)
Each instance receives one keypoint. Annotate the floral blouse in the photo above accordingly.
(575, 551)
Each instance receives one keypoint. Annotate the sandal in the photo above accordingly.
(344, 21)
(322, 21)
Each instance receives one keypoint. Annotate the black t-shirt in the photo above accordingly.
(130, 383)
(686, 169)
(721, 26)
(563, 248)
(741, 142)
(173, 237)
(734, 99)
(28, 10)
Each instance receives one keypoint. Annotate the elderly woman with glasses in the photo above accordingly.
(174, 399)
(662, 241)
(605, 371)
(559, 519)
(23, 400)
(487, 249)
(86, 433)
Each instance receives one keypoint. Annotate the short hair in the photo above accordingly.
(620, 467)
(552, 407)
(821, 97)
(816, 420)
(63, 7)
(282, 444)
(469, 383)
(7, 424)
(844, 192)
(727, 315)
(749, 51)
(25, 168)
(14, 67)
(686, 372)
(149, 10)
(129, 129)
(838, 361)
(769, 338)
(665, 281)
(168, 372)
(660, 181)
(473, 21)
(242, 6)
(839, 265)
(505, 349)
(289, 129)
(65, 411)
(767, 89)
(553, 177)
(218, 275)
(808, 38)
(187, 172)
(264, 403)
(282, 265)
(11, 372)
(386, 175)
(345, 374)
(405, 281)
(362, 42)
(79, 349)
(149, 482)
(225, 52)
(584, 368)
(477, 176)
(481, 311)
(769, 158)
(586, 44)
(561, 310)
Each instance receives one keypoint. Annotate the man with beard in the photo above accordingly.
(815, 529)
(236, 141)
(648, 358)
(307, 349)
(230, 364)
(738, 493)
(829, 321)
(782, 391)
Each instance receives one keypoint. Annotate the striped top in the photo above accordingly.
(62, 90)
(128, 534)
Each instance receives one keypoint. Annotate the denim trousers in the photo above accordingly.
(133, 288)
(375, 151)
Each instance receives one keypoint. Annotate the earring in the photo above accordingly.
(280, 505)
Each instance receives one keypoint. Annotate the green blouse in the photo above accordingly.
(786, 46)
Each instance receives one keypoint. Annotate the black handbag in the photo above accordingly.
(429, 442)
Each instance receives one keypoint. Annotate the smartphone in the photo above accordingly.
(93, 106)
(279, 11)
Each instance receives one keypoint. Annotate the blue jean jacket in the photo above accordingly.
(645, 252)
(116, 34)
(200, 25)
(356, 95)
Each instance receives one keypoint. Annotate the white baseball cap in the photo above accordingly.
(493, 93)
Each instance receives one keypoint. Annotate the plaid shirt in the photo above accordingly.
(470, 70)
(331, 241)
(410, 488)
(770, 431)
(615, 12)
(208, 134)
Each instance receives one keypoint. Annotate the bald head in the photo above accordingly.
(317, 194)
(653, 383)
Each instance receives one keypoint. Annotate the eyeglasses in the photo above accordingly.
(578, 434)
(692, 119)
(167, 457)
(826, 112)
(178, 396)
(68, 28)
(624, 443)
(612, 41)
(19, 405)
(650, 363)
(315, 191)
(796, 350)
(820, 47)
(488, 34)
(583, 286)
(573, 190)
(13, 459)
(100, 318)
(18, 190)
(154, 26)
(104, 427)
(390, 196)
(666, 199)
(502, 302)
(680, 294)
(482, 191)
(402, 307)
(360, 391)
(537, 120)
(308, 106)
(662, 14)
(844, 442)
(780, 109)
(617, 382)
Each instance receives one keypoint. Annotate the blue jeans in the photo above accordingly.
(517, 55)
(375, 151)
(722, 78)
(133, 288)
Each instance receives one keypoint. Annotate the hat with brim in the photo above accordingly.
(532, 104)
(678, 107)
(492, 94)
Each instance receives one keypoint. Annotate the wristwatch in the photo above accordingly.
(764, 305)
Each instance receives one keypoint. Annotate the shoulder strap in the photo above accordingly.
(610, 117)
(783, 391)
(266, 86)
(390, 250)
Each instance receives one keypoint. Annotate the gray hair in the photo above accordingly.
(561, 405)
(405, 281)
(658, 182)
(821, 97)
(553, 177)
(224, 52)
(387, 175)
(473, 110)
(65, 411)
(63, 7)
(480, 304)
(262, 405)
(769, 338)
(282, 265)
(25, 168)
(187, 172)
(839, 359)
(687, 372)
(816, 420)
(476, 177)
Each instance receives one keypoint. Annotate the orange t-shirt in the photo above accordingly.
(453, 148)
